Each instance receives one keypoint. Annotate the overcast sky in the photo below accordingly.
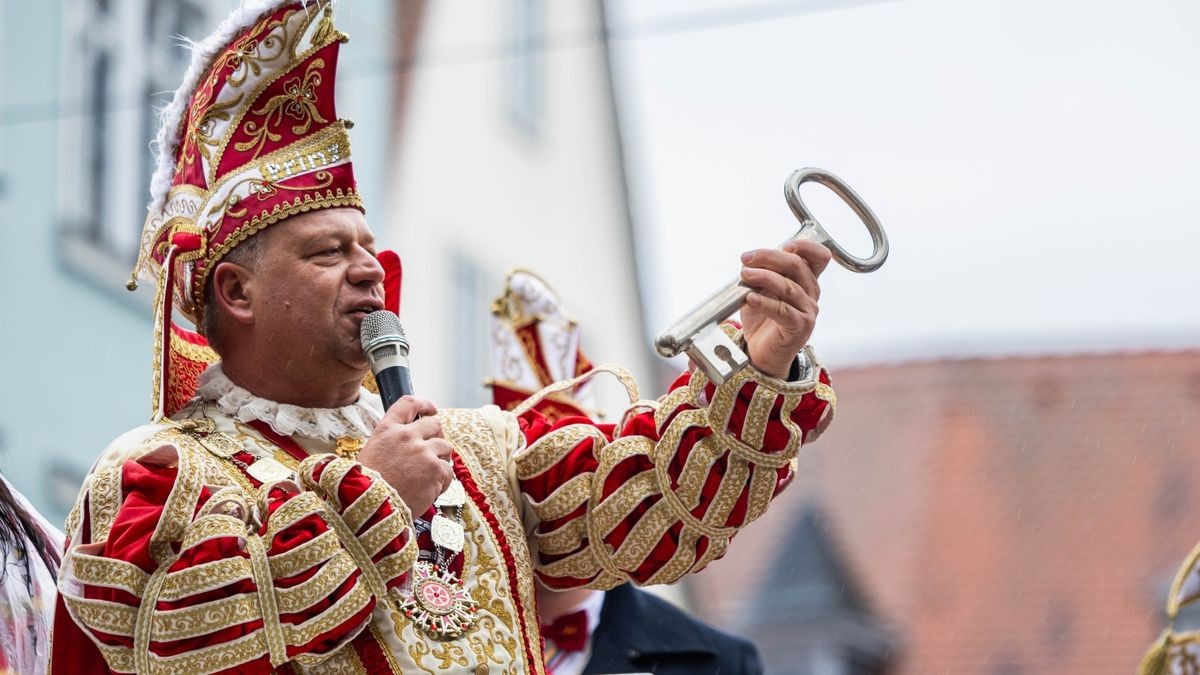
(1035, 163)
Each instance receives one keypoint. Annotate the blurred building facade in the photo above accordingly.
(510, 157)
(1006, 516)
(79, 84)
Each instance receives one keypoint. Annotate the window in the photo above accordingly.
(470, 347)
(124, 61)
(524, 82)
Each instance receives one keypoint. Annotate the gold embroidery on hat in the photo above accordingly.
(299, 101)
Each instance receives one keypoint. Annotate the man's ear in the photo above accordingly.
(233, 288)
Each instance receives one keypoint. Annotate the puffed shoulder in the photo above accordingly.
(129, 445)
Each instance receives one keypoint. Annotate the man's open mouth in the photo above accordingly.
(361, 311)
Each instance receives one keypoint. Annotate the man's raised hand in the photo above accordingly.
(781, 311)
(408, 450)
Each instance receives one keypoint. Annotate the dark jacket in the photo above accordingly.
(639, 633)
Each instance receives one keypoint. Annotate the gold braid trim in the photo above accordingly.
(109, 572)
(144, 624)
(358, 513)
(758, 413)
(305, 556)
(399, 562)
(331, 482)
(211, 659)
(205, 577)
(295, 509)
(701, 460)
(213, 526)
(104, 497)
(349, 540)
(374, 539)
(680, 563)
(621, 502)
(644, 536)
(104, 616)
(565, 499)
(268, 606)
(119, 659)
(188, 622)
(550, 449)
(622, 375)
(566, 539)
(347, 606)
(320, 586)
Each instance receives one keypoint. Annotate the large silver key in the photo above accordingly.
(698, 333)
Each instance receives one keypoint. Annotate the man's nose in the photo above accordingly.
(365, 269)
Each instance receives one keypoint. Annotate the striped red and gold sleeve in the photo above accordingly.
(165, 573)
(661, 496)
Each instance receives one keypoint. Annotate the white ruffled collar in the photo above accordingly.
(356, 420)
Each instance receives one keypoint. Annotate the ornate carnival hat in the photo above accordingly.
(535, 343)
(250, 138)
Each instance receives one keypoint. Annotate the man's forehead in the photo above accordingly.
(326, 222)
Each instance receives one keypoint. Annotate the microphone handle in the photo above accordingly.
(393, 382)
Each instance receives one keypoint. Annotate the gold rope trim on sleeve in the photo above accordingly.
(361, 558)
(374, 539)
(208, 617)
(144, 624)
(681, 562)
(296, 508)
(218, 657)
(331, 481)
(758, 415)
(104, 616)
(728, 491)
(622, 375)
(358, 513)
(566, 539)
(212, 526)
(565, 499)
(644, 536)
(347, 606)
(109, 572)
(616, 506)
(399, 562)
(205, 577)
(348, 538)
(320, 586)
(268, 606)
(176, 515)
(549, 450)
(762, 489)
(305, 556)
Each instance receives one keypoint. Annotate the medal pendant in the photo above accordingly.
(447, 533)
(221, 444)
(199, 425)
(455, 495)
(438, 603)
(267, 470)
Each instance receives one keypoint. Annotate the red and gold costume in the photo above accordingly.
(236, 533)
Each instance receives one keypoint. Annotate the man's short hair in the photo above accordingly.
(248, 254)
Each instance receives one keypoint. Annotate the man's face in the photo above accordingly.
(317, 280)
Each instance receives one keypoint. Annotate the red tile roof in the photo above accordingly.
(1002, 515)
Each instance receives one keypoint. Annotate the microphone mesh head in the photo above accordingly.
(381, 326)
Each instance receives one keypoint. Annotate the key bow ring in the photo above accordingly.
(698, 333)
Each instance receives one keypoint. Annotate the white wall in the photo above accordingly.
(472, 185)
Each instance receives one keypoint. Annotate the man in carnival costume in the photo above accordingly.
(271, 516)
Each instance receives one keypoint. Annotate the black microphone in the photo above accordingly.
(386, 348)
